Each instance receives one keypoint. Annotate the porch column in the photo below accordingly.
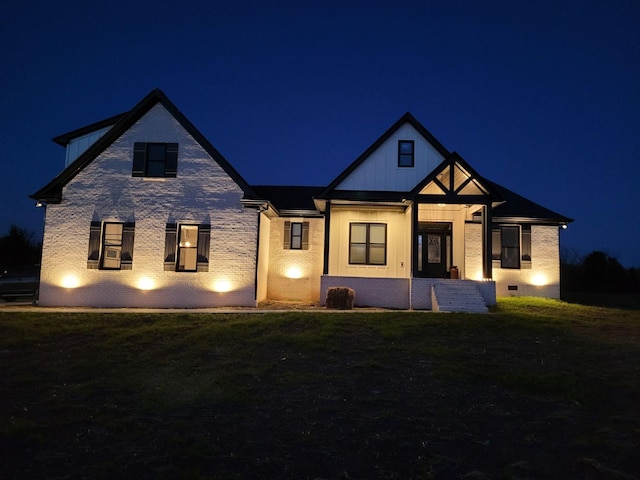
(487, 250)
(327, 223)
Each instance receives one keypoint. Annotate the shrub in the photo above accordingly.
(340, 298)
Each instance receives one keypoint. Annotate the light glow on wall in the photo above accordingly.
(70, 281)
(222, 285)
(293, 271)
(146, 283)
(539, 280)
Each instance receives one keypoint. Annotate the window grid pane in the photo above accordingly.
(188, 248)
(368, 244)
(296, 236)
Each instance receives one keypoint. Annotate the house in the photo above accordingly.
(147, 213)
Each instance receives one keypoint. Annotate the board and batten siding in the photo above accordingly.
(398, 242)
(105, 190)
(380, 170)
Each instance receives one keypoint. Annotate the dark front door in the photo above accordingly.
(434, 250)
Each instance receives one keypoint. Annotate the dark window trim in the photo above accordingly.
(172, 247)
(97, 245)
(104, 246)
(141, 160)
(368, 243)
(179, 249)
(499, 248)
(296, 237)
(406, 156)
(288, 235)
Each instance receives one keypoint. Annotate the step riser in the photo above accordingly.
(457, 297)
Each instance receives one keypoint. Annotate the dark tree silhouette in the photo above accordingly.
(597, 272)
(18, 248)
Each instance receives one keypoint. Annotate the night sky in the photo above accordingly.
(542, 97)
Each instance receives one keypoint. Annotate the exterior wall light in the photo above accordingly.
(539, 280)
(293, 271)
(146, 283)
(222, 285)
(70, 281)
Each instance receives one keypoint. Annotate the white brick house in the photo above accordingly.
(147, 213)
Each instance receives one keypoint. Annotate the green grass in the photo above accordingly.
(537, 388)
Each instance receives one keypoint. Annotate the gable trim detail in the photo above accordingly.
(451, 179)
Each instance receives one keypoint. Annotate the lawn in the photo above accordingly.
(535, 389)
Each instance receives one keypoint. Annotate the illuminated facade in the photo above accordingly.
(148, 213)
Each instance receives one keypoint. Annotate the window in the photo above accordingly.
(155, 160)
(368, 244)
(405, 153)
(506, 245)
(111, 246)
(296, 235)
(186, 247)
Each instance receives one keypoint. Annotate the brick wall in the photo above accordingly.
(106, 191)
(371, 292)
(543, 278)
(294, 275)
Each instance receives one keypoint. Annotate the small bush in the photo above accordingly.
(340, 298)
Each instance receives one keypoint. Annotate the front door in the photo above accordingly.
(434, 250)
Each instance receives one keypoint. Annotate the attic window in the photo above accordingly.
(405, 153)
(155, 160)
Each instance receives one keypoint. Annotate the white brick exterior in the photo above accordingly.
(247, 259)
(541, 280)
(106, 191)
(294, 275)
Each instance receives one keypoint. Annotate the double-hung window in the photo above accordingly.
(406, 153)
(368, 244)
(111, 246)
(155, 160)
(511, 246)
(186, 247)
(296, 235)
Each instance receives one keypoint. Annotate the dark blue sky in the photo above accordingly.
(542, 97)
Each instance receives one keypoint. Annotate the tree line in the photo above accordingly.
(597, 272)
(19, 248)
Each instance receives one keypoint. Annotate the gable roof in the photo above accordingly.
(52, 192)
(406, 118)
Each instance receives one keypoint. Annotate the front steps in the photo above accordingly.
(457, 296)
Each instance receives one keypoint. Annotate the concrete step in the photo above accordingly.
(457, 296)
